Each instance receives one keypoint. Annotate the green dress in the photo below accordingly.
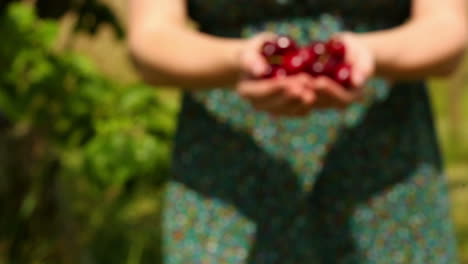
(361, 186)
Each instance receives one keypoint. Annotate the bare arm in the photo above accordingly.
(431, 43)
(167, 51)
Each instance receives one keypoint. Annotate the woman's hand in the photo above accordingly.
(360, 56)
(291, 96)
(250, 59)
(330, 94)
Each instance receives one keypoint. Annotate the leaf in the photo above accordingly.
(47, 31)
(21, 15)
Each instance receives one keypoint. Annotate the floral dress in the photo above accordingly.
(365, 185)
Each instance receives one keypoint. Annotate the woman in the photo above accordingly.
(335, 176)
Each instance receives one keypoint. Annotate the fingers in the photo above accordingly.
(256, 64)
(360, 56)
(363, 68)
(291, 96)
(298, 98)
(284, 96)
(333, 95)
(298, 95)
(295, 102)
(254, 90)
(251, 59)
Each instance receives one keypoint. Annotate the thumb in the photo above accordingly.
(258, 65)
(358, 79)
(254, 63)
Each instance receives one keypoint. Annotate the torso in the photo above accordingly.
(364, 186)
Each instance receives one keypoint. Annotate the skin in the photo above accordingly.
(168, 51)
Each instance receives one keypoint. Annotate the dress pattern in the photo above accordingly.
(361, 186)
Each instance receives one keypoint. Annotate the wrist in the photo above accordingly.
(372, 43)
(234, 55)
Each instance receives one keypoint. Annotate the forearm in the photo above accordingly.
(418, 49)
(185, 58)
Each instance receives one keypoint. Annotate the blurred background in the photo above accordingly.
(85, 146)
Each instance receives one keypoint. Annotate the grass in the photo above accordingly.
(459, 197)
(455, 154)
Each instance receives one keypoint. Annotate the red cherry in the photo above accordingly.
(317, 68)
(285, 44)
(343, 75)
(269, 49)
(293, 62)
(318, 48)
(308, 56)
(330, 66)
(336, 49)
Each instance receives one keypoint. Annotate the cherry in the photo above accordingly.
(336, 48)
(285, 44)
(330, 66)
(317, 68)
(269, 48)
(342, 75)
(318, 48)
(308, 56)
(322, 66)
(294, 62)
(317, 59)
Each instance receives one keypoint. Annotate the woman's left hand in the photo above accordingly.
(330, 94)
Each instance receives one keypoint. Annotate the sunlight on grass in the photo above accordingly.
(455, 154)
(459, 196)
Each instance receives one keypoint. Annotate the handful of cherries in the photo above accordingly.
(317, 59)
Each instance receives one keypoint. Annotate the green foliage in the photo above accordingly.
(91, 144)
(64, 96)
